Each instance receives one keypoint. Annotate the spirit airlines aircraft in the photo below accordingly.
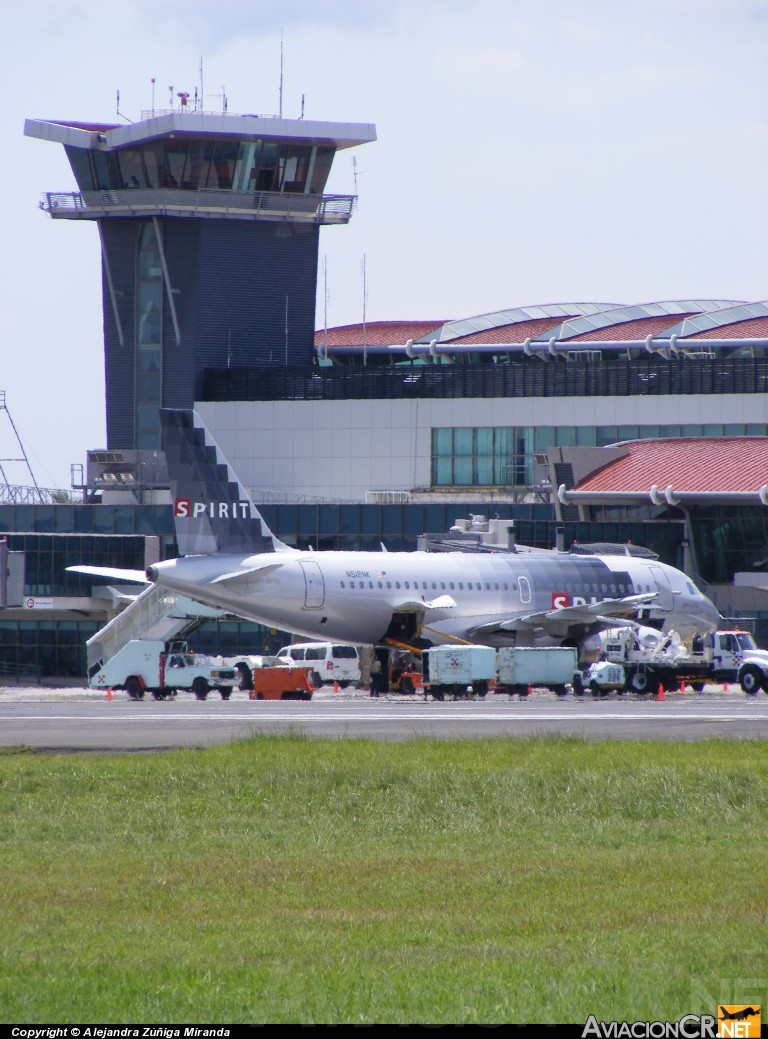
(232, 561)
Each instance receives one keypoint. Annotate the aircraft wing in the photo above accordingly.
(560, 622)
(442, 602)
(264, 567)
(131, 576)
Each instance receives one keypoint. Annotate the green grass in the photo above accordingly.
(285, 879)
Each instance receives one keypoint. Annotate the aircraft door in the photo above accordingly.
(314, 586)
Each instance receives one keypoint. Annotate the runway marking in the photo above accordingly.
(395, 716)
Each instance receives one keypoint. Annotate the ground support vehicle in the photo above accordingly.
(282, 683)
(459, 671)
(149, 665)
(331, 661)
(520, 668)
(724, 656)
(600, 679)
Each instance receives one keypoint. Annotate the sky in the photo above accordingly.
(528, 152)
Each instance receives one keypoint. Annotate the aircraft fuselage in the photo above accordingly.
(353, 596)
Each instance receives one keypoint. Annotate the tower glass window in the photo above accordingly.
(149, 338)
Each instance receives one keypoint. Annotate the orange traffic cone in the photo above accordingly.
(109, 695)
(682, 687)
(725, 687)
(335, 687)
(660, 692)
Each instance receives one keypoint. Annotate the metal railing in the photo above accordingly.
(14, 494)
(203, 202)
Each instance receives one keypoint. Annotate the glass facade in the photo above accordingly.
(488, 456)
(195, 164)
(149, 338)
(727, 539)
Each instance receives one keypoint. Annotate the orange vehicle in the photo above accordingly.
(282, 683)
(405, 681)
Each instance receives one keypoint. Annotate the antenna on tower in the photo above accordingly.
(153, 97)
(280, 109)
(202, 92)
(119, 113)
(14, 493)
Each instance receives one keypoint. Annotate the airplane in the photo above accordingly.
(231, 560)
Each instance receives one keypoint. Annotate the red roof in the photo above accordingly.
(377, 333)
(752, 328)
(687, 464)
(638, 329)
(517, 332)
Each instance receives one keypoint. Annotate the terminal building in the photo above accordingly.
(560, 416)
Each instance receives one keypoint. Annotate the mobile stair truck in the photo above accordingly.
(150, 665)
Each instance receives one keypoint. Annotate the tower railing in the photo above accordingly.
(215, 203)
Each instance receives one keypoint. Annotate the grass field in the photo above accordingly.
(286, 879)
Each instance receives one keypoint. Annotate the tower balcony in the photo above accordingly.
(211, 203)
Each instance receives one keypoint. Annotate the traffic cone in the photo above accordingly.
(335, 687)
(660, 692)
(725, 687)
(529, 690)
(109, 695)
(682, 686)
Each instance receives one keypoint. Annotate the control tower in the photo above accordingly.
(209, 228)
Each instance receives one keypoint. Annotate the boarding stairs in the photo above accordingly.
(157, 613)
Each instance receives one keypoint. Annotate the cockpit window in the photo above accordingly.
(691, 588)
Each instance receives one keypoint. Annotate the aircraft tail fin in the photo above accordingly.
(212, 511)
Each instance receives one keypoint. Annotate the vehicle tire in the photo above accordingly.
(594, 688)
(200, 688)
(698, 687)
(158, 694)
(224, 691)
(246, 676)
(481, 688)
(560, 690)
(641, 682)
(406, 685)
(134, 689)
(578, 684)
(259, 696)
(751, 679)
(315, 679)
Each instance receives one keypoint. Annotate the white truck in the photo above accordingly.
(600, 678)
(148, 665)
(723, 656)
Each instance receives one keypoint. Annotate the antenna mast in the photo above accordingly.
(280, 110)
